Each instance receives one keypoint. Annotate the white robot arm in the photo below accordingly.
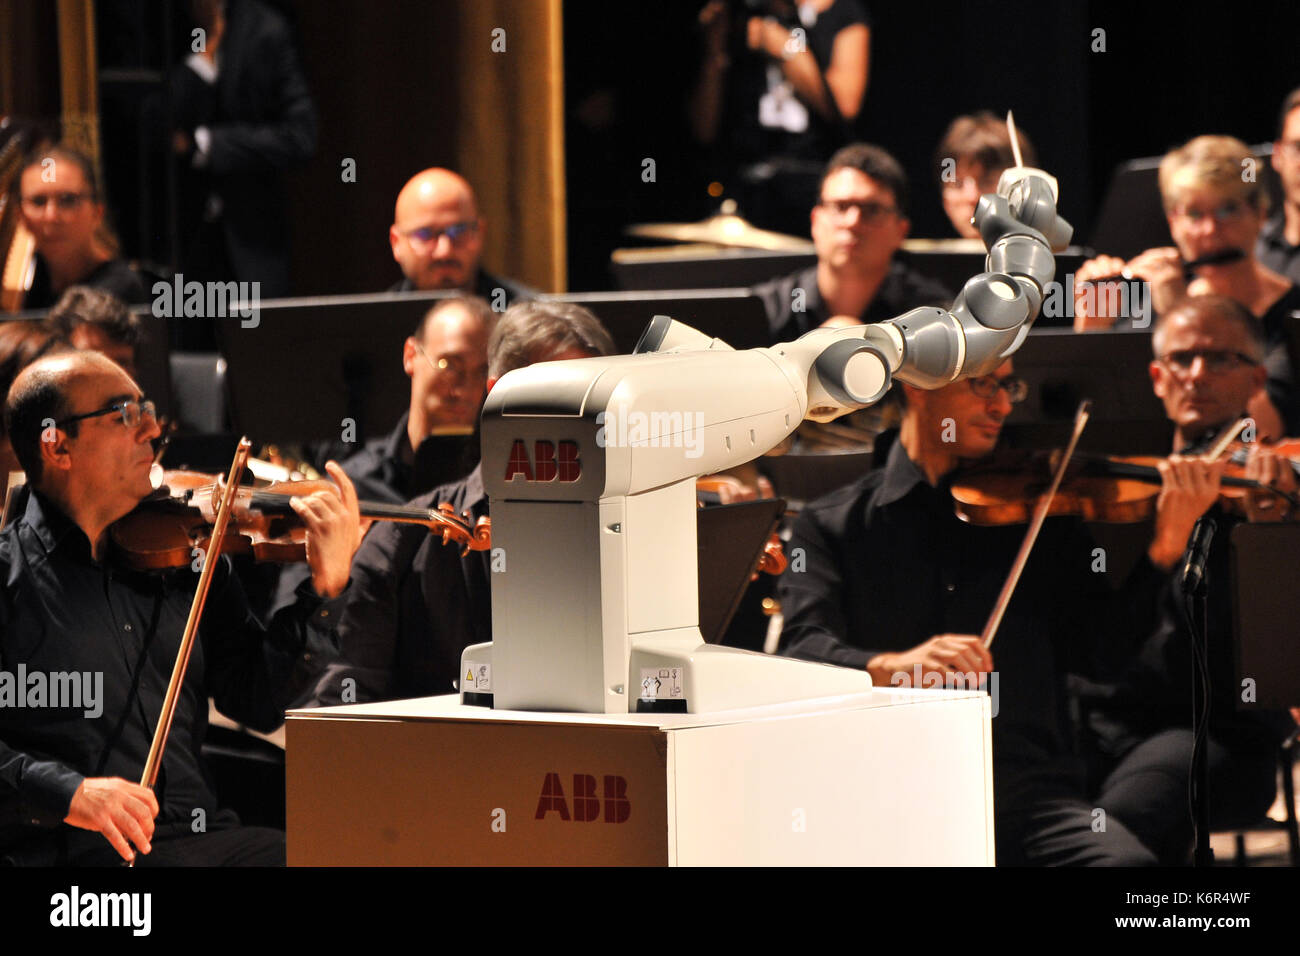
(590, 469)
(847, 369)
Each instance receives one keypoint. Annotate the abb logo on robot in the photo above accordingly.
(549, 461)
(586, 805)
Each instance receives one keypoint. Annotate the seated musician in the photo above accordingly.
(434, 442)
(21, 343)
(415, 603)
(969, 160)
(884, 576)
(70, 608)
(1208, 366)
(100, 321)
(1212, 208)
(61, 205)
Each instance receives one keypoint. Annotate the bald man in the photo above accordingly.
(437, 239)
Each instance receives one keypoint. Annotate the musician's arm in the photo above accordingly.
(369, 623)
(247, 665)
(811, 593)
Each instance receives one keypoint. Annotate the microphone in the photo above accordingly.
(1193, 577)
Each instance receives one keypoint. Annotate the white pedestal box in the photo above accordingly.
(887, 777)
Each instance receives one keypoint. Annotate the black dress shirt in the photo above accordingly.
(114, 277)
(885, 564)
(63, 612)
(1273, 250)
(484, 287)
(1155, 691)
(904, 289)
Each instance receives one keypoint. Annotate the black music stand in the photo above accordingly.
(1266, 612)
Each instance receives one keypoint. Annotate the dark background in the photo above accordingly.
(379, 74)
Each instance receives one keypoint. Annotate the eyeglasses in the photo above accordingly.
(1216, 360)
(451, 364)
(1224, 212)
(133, 412)
(1290, 149)
(456, 233)
(872, 213)
(63, 202)
(986, 185)
(986, 386)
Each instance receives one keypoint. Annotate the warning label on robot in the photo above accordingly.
(478, 678)
(662, 683)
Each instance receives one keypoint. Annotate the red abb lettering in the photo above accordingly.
(617, 806)
(544, 457)
(570, 467)
(519, 463)
(586, 805)
(544, 464)
(552, 798)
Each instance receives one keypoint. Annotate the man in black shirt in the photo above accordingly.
(68, 606)
(1278, 246)
(858, 225)
(1208, 365)
(884, 576)
(415, 603)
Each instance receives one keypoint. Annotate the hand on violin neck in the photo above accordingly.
(333, 520)
(1266, 466)
(1188, 488)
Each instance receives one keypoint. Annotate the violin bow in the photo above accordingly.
(1035, 525)
(154, 762)
(1226, 439)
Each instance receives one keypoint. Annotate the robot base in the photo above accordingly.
(676, 672)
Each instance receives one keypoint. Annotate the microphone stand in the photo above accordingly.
(1194, 586)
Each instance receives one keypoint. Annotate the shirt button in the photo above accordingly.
(951, 588)
(126, 627)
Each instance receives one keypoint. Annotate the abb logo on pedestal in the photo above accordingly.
(550, 461)
(586, 805)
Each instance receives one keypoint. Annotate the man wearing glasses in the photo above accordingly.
(1279, 241)
(437, 239)
(858, 225)
(83, 433)
(885, 577)
(1208, 366)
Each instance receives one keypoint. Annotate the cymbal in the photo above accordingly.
(724, 229)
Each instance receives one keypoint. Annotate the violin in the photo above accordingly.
(173, 527)
(1105, 489)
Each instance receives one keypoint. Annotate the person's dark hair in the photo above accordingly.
(983, 139)
(1291, 102)
(473, 304)
(82, 305)
(1217, 307)
(874, 162)
(35, 398)
(529, 331)
(22, 342)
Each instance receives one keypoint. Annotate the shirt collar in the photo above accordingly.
(1209, 438)
(901, 476)
(52, 527)
(398, 443)
(1274, 233)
